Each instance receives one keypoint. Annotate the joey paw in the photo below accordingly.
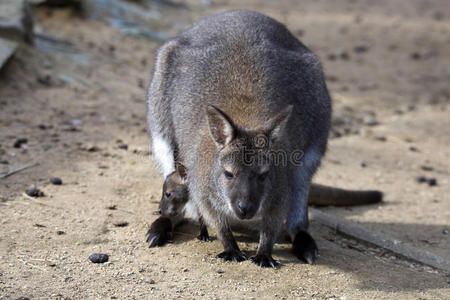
(305, 248)
(232, 255)
(264, 261)
(204, 238)
(159, 239)
(159, 233)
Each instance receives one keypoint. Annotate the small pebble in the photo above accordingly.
(220, 271)
(445, 231)
(112, 207)
(56, 181)
(380, 138)
(363, 164)
(19, 142)
(148, 280)
(370, 120)
(427, 168)
(432, 181)
(121, 224)
(421, 179)
(33, 191)
(413, 149)
(123, 146)
(98, 258)
(23, 298)
(60, 232)
(360, 48)
(416, 56)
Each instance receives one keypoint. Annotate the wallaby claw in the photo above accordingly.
(232, 255)
(265, 261)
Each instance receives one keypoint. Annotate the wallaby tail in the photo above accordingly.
(321, 195)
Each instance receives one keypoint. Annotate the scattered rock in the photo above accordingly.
(121, 224)
(19, 142)
(16, 22)
(112, 207)
(150, 281)
(363, 164)
(44, 126)
(427, 168)
(370, 120)
(421, 179)
(7, 49)
(45, 80)
(98, 258)
(360, 48)
(141, 83)
(33, 191)
(413, 149)
(380, 138)
(432, 181)
(445, 231)
(39, 225)
(56, 181)
(123, 146)
(220, 271)
(23, 298)
(416, 56)
(60, 232)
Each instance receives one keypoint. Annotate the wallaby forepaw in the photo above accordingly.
(232, 255)
(305, 248)
(264, 261)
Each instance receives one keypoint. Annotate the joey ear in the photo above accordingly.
(220, 125)
(277, 125)
(181, 170)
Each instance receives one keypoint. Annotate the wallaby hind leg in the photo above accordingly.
(303, 245)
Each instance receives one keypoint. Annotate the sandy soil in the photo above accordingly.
(78, 104)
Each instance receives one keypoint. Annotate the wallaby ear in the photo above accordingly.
(277, 125)
(220, 125)
(181, 170)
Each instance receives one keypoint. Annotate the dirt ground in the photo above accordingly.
(388, 70)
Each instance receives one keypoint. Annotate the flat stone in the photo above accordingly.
(7, 49)
(16, 22)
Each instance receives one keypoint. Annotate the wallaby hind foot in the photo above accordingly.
(305, 248)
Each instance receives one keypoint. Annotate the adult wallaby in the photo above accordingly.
(241, 100)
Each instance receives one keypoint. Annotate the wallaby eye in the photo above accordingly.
(263, 176)
(228, 175)
(167, 194)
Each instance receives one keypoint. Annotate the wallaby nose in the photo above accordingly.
(243, 207)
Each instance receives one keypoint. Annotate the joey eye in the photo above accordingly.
(228, 175)
(263, 176)
(168, 194)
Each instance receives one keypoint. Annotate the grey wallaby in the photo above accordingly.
(243, 104)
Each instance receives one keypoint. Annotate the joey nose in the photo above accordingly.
(243, 207)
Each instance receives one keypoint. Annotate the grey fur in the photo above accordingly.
(251, 69)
